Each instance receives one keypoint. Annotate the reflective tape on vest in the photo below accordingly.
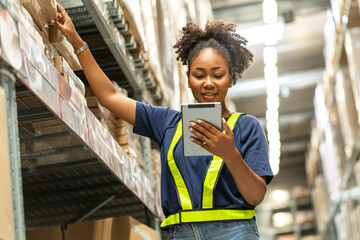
(183, 193)
(211, 215)
(213, 171)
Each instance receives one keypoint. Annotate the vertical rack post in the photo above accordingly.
(7, 81)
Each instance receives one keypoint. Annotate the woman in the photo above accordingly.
(206, 197)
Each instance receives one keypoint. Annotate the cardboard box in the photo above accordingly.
(92, 230)
(49, 10)
(127, 228)
(34, 10)
(6, 207)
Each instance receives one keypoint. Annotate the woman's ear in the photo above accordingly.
(231, 81)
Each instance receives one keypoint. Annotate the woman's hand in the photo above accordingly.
(65, 25)
(214, 140)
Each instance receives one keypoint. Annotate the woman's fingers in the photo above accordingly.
(61, 9)
(199, 134)
(226, 126)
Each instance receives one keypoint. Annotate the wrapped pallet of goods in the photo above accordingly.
(321, 202)
(119, 129)
(352, 47)
(346, 108)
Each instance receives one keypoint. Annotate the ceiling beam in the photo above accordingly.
(298, 80)
(220, 5)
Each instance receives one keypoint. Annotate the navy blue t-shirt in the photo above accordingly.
(159, 124)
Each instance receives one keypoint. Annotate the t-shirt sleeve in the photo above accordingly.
(254, 147)
(152, 121)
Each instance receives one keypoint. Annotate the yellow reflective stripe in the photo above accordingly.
(213, 171)
(184, 196)
(209, 182)
(207, 216)
(171, 220)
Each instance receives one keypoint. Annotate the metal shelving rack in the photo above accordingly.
(298, 230)
(89, 176)
(329, 232)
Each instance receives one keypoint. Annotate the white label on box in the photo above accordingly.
(141, 232)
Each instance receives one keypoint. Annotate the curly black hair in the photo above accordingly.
(220, 36)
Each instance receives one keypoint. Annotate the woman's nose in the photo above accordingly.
(208, 82)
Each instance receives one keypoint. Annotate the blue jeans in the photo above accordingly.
(237, 230)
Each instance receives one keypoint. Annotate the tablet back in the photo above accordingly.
(210, 112)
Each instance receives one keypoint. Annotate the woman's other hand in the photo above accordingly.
(212, 139)
(65, 25)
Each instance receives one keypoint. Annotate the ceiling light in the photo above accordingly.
(269, 11)
(270, 55)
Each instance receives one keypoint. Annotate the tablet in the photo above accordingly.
(210, 112)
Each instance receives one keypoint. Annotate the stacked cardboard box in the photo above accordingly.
(53, 43)
(54, 126)
(119, 129)
(300, 193)
(125, 228)
(155, 155)
(305, 217)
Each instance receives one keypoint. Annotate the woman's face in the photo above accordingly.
(209, 77)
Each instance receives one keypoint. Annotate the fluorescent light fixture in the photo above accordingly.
(270, 55)
(263, 34)
(269, 11)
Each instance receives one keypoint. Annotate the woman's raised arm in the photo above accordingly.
(121, 106)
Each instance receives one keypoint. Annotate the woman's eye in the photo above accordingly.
(218, 76)
(199, 76)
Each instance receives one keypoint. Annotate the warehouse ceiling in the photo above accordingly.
(300, 66)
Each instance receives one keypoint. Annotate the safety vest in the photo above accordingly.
(207, 213)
